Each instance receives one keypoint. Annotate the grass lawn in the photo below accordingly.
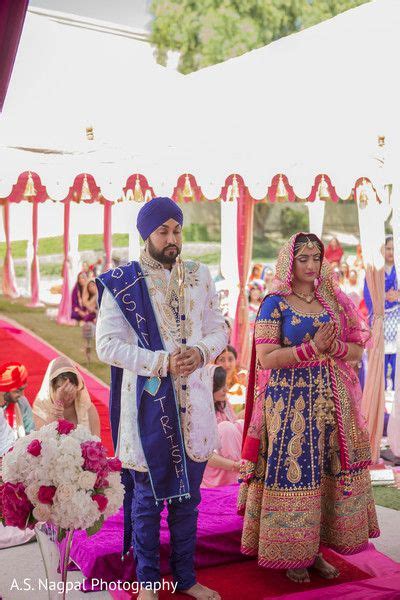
(65, 339)
(386, 495)
(54, 245)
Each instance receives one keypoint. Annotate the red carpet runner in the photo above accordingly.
(25, 347)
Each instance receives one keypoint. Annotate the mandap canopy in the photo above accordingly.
(296, 120)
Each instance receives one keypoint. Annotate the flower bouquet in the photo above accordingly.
(60, 475)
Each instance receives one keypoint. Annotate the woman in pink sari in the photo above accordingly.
(306, 451)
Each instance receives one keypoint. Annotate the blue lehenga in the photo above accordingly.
(301, 496)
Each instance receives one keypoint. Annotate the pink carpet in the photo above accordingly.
(17, 343)
(221, 565)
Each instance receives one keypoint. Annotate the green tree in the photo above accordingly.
(206, 32)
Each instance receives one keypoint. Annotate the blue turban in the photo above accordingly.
(155, 213)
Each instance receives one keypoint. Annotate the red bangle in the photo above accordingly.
(340, 350)
(306, 351)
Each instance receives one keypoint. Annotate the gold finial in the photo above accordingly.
(187, 190)
(363, 198)
(90, 132)
(281, 192)
(85, 192)
(138, 194)
(381, 140)
(30, 187)
(323, 191)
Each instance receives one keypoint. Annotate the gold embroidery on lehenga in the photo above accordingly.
(294, 449)
(278, 464)
(275, 422)
(295, 320)
(287, 342)
(276, 314)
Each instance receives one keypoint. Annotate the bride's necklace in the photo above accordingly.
(307, 297)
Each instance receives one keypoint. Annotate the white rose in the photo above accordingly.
(65, 492)
(86, 480)
(42, 512)
(32, 491)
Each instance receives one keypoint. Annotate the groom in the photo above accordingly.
(162, 414)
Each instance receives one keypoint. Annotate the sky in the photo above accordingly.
(132, 13)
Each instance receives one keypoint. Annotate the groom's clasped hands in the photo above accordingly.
(184, 363)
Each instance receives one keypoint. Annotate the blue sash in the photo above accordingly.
(158, 412)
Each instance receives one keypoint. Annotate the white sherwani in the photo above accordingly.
(117, 345)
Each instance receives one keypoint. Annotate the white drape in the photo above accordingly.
(316, 212)
(229, 263)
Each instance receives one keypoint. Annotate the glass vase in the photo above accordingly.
(55, 557)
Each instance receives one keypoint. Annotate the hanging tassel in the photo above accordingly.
(85, 193)
(281, 192)
(30, 187)
(187, 190)
(323, 191)
(138, 194)
(89, 133)
(148, 195)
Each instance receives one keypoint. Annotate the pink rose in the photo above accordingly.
(46, 494)
(16, 508)
(101, 481)
(65, 427)
(101, 500)
(95, 457)
(34, 448)
(114, 464)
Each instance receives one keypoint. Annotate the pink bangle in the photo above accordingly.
(340, 350)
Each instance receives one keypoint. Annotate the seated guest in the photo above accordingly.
(256, 294)
(80, 312)
(267, 277)
(89, 299)
(256, 272)
(334, 252)
(234, 378)
(223, 466)
(63, 395)
(18, 411)
(7, 437)
(10, 536)
(352, 287)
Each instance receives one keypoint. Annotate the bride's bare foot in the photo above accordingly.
(147, 595)
(324, 568)
(200, 592)
(298, 575)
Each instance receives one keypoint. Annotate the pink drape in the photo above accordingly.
(35, 261)
(12, 16)
(107, 235)
(241, 329)
(373, 402)
(64, 310)
(9, 283)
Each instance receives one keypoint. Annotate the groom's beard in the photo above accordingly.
(165, 256)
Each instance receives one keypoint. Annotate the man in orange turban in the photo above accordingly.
(13, 381)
